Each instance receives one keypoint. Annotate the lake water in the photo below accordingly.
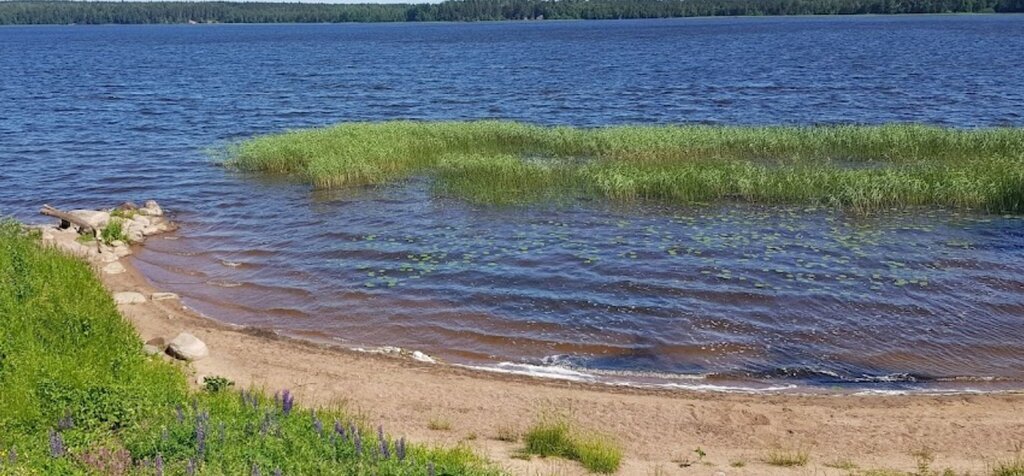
(722, 296)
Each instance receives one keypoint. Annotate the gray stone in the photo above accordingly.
(95, 218)
(152, 209)
(114, 268)
(187, 347)
(151, 350)
(122, 251)
(163, 296)
(129, 297)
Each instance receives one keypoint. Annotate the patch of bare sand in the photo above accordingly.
(659, 430)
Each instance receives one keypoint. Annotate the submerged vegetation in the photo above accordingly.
(63, 12)
(79, 396)
(861, 168)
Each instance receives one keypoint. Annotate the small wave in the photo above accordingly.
(224, 284)
(530, 370)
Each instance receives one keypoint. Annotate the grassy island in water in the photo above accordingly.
(861, 168)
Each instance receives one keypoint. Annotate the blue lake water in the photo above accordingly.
(714, 296)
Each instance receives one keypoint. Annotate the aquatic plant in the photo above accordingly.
(861, 168)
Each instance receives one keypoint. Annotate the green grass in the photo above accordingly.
(787, 459)
(114, 231)
(1013, 467)
(71, 368)
(861, 168)
(557, 437)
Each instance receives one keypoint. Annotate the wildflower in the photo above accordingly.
(12, 456)
(358, 441)
(317, 424)
(180, 413)
(201, 434)
(56, 444)
(66, 423)
(287, 402)
(255, 470)
(430, 468)
(277, 472)
(190, 469)
(339, 429)
(158, 465)
(400, 449)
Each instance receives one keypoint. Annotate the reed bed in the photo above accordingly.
(857, 167)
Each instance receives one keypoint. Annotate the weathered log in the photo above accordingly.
(83, 226)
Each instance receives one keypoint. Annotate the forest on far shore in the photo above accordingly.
(104, 12)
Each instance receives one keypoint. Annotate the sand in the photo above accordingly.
(660, 431)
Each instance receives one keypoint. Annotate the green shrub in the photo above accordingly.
(114, 231)
(557, 437)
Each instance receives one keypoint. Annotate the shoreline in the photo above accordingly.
(659, 429)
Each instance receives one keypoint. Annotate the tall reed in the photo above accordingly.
(857, 167)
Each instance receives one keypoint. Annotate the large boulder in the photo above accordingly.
(95, 218)
(152, 209)
(187, 347)
(129, 297)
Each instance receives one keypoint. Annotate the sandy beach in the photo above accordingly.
(660, 431)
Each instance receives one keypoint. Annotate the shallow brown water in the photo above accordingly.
(707, 297)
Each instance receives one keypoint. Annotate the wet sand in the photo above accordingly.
(659, 430)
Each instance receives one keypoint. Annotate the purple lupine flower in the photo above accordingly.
(277, 472)
(56, 444)
(255, 470)
(400, 449)
(265, 426)
(339, 429)
(358, 441)
(430, 468)
(317, 424)
(190, 469)
(165, 435)
(385, 450)
(12, 456)
(180, 413)
(287, 402)
(201, 434)
(158, 465)
(66, 422)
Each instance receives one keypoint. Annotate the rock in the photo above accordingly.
(108, 257)
(152, 209)
(121, 251)
(151, 350)
(129, 297)
(420, 356)
(141, 220)
(187, 347)
(95, 218)
(157, 341)
(114, 268)
(163, 296)
(134, 232)
(152, 230)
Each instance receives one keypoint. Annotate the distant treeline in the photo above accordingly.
(67, 12)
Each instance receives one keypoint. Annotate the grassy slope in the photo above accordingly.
(858, 167)
(66, 352)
